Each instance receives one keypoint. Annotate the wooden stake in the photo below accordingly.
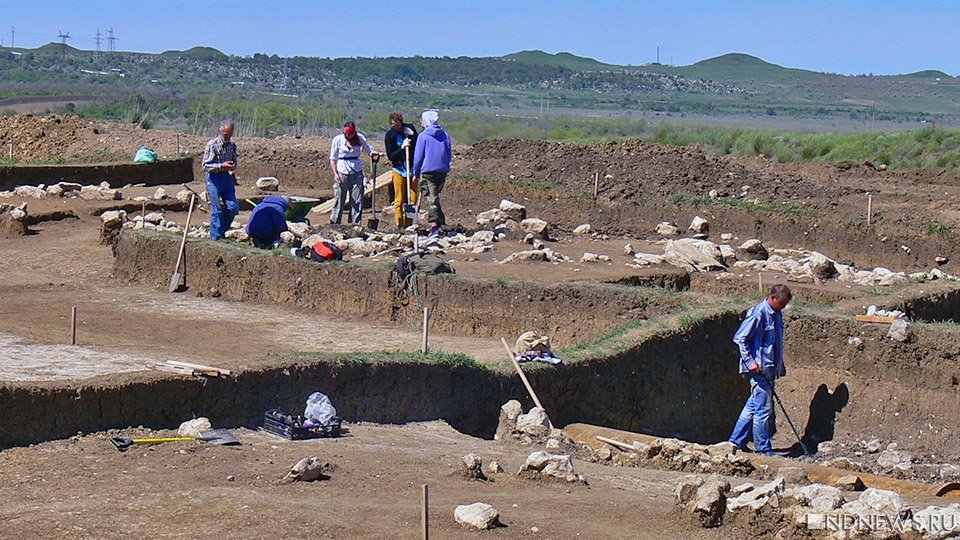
(424, 343)
(73, 326)
(869, 208)
(523, 377)
(178, 144)
(596, 185)
(10, 152)
(425, 512)
(143, 215)
(760, 282)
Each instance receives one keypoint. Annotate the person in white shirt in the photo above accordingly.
(347, 170)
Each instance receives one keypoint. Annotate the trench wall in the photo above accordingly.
(485, 308)
(167, 171)
(666, 385)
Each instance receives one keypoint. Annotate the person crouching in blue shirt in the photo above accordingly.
(760, 339)
(267, 221)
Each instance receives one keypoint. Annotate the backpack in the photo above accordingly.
(325, 251)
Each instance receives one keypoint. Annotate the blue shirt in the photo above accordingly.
(268, 219)
(760, 339)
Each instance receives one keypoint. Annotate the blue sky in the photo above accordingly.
(844, 36)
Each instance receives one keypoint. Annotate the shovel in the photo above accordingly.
(177, 276)
(374, 220)
(219, 437)
(409, 210)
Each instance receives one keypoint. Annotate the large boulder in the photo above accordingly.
(478, 515)
(538, 228)
(818, 497)
(874, 502)
(490, 217)
(111, 222)
(509, 412)
(268, 183)
(752, 250)
(514, 211)
(709, 503)
(821, 266)
(665, 228)
(699, 226)
(546, 466)
(899, 331)
(535, 423)
(756, 499)
(693, 255)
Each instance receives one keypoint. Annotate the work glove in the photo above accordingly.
(405, 144)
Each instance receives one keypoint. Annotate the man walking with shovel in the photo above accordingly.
(760, 339)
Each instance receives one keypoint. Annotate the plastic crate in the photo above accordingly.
(290, 426)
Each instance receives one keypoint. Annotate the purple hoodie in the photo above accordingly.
(433, 151)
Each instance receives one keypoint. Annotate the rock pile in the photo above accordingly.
(66, 190)
(550, 467)
(677, 455)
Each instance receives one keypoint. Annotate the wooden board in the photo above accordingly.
(875, 319)
(382, 181)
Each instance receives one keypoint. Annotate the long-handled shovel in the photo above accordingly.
(220, 437)
(374, 220)
(787, 415)
(409, 210)
(177, 276)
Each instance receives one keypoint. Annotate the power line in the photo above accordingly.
(98, 40)
(63, 40)
(111, 40)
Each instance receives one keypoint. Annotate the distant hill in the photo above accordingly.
(54, 47)
(561, 59)
(198, 53)
(927, 74)
(735, 67)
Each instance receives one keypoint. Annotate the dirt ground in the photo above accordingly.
(84, 488)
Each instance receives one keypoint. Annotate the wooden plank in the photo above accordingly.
(166, 368)
(613, 442)
(200, 367)
(875, 319)
(382, 181)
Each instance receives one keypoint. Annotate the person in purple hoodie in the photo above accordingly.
(431, 163)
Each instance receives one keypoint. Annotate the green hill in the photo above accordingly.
(927, 74)
(561, 59)
(736, 67)
(55, 48)
(198, 53)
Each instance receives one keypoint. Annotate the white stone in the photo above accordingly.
(821, 266)
(54, 190)
(112, 218)
(483, 237)
(819, 497)
(153, 217)
(666, 228)
(693, 255)
(491, 216)
(582, 229)
(184, 195)
(535, 423)
(192, 428)
(899, 330)
(160, 194)
(937, 522)
(536, 227)
(699, 225)
(594, 258)
(892, 457)
(239, 235)
(298, 228)
(757, 498)
(268, 183)
(478, 515)
(555, 465)
(306, 470)
(515, 211)
(287, 237)
(878, 501)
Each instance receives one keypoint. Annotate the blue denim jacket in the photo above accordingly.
(760, 338)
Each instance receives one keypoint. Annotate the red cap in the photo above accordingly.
(349, 131)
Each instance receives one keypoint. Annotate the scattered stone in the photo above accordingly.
(153, 217)
(582, 229)
(494, 467)
(726, 237)
(667, 229)
(472, 468)
(693, 255)
(899, 330)
(728, 255)
(298, 228)
(713, 194)
(307, 470)
(759, 497)
(752, 250)
(94, 193)
(818, 497)
(941, 260)
(710, 501)
(892, 457)
(604, 453)
(687, 488)
(111, 222)
(509, 412)
(724, 448)
(491, 216)
(288, 237)
(542, 465)
(552, 446)
(160, 194)
(878, 502)
(537, 227)
(55, 190)
(514, 211)
(192, 428)
(535, 423)
(793, 475)
(937, 522)
(184, 195)
(239, 235)
(699, 225)
(628, 250)
(268, 183)
(478, 515)
(736, 491)
(874, 446)
(821, 266)
(230, 478)
(850, 482)
(594, 258)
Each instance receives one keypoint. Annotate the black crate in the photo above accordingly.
(291, 426)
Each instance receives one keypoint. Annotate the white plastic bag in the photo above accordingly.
(319, 409)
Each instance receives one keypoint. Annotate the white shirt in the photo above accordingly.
(347, 156)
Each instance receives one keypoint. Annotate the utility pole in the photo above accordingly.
(98, 39)
(63, 43)
(13, 33)
(111, 40)
(658, 55)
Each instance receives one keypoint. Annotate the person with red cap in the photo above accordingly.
(347, 170)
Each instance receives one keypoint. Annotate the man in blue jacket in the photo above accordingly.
(267, 221)
(431, 163)
(760, 340)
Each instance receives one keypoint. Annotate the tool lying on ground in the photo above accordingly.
(787, 415)
(374, 222)
(177, 276)
(186, 368)
(219, 437)
(875, 319)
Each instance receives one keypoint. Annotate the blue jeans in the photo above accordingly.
(756, 414)
(223, 203)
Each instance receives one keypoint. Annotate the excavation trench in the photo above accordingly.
(669, 381)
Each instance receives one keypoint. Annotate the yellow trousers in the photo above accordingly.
(400, 197)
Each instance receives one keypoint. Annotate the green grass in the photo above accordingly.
(879, 290)
(432, 357)
(935, 228)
